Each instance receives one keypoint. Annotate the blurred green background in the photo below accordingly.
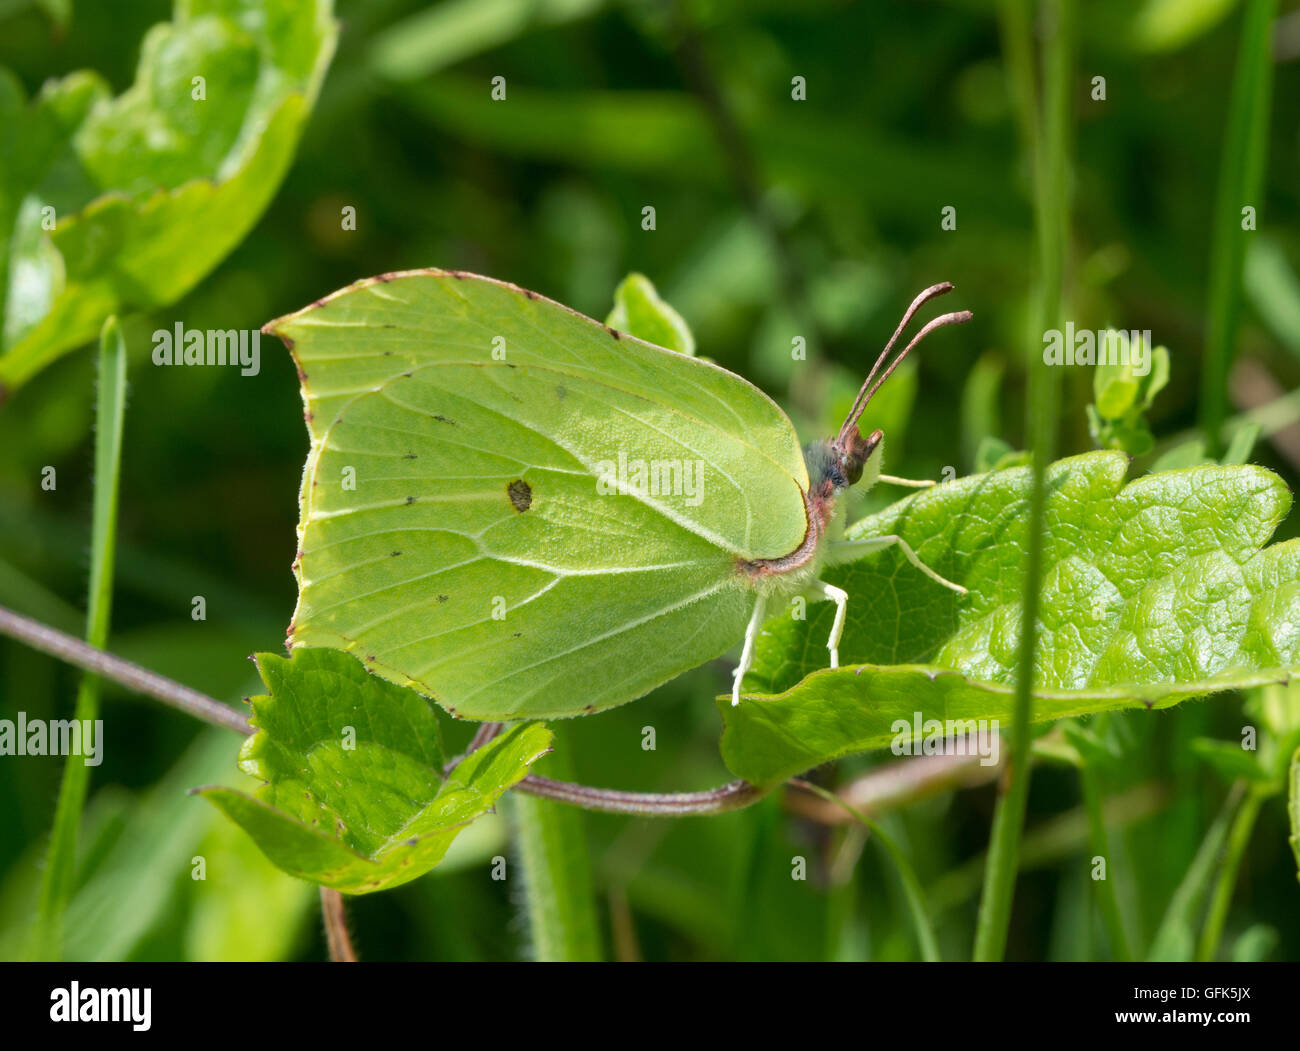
(773, 217)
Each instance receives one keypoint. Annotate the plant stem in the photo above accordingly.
(1238, 839)
(95, 660)
(916, 906)
(897, 784)
(557, 879)
(176, 695)
(732, 796)
(1173, 940)
(336, 927)
(1051, 218)
(1241, 181)
(894, 785)
(1093, 801)
(61, 862)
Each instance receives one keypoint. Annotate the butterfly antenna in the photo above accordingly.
(868, 387)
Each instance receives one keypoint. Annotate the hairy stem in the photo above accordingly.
(68, 648)
(336, 927)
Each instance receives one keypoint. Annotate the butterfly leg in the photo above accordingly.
(747, 653)
(910, 483)
(841, 599)
(845, 550)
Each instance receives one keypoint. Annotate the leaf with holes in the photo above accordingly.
(355, 796)
(1153, 592)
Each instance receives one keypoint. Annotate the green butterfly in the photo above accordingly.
(523, 513)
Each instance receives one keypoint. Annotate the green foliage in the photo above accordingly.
(355, 796)
(1116, 419)
(118, 204)
(814, 219)
(1153, 592)
(640, 312)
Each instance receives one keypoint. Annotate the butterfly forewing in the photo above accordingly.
(519, 512)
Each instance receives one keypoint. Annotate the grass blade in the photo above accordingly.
(916, 907)
(1241, 183)
(60, 865)
(1051, 213)
(557, 878)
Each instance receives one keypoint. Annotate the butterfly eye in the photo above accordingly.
(851, 467)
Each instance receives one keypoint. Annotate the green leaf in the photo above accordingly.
(1153, 592)
(1230, 761)
(994, 454)
(1241, 444)
(355, 797)
(1122, 395)
(147, 192)
(640, 312)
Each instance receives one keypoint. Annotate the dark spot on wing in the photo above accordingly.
(389, 324)
(442, 598)
(521, 494)
(443, 419)
(409, 456)
(410, 500)
(395, 554)
(517, 635)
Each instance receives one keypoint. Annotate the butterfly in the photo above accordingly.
(523, 513)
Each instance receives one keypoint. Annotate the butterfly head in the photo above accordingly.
(835, 465)
(849, 458)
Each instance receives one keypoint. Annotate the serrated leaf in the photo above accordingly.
(640, 312)
(355, 797)
(1153, 592)
(148, 191)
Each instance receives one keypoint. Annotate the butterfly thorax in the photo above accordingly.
(833, 465)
